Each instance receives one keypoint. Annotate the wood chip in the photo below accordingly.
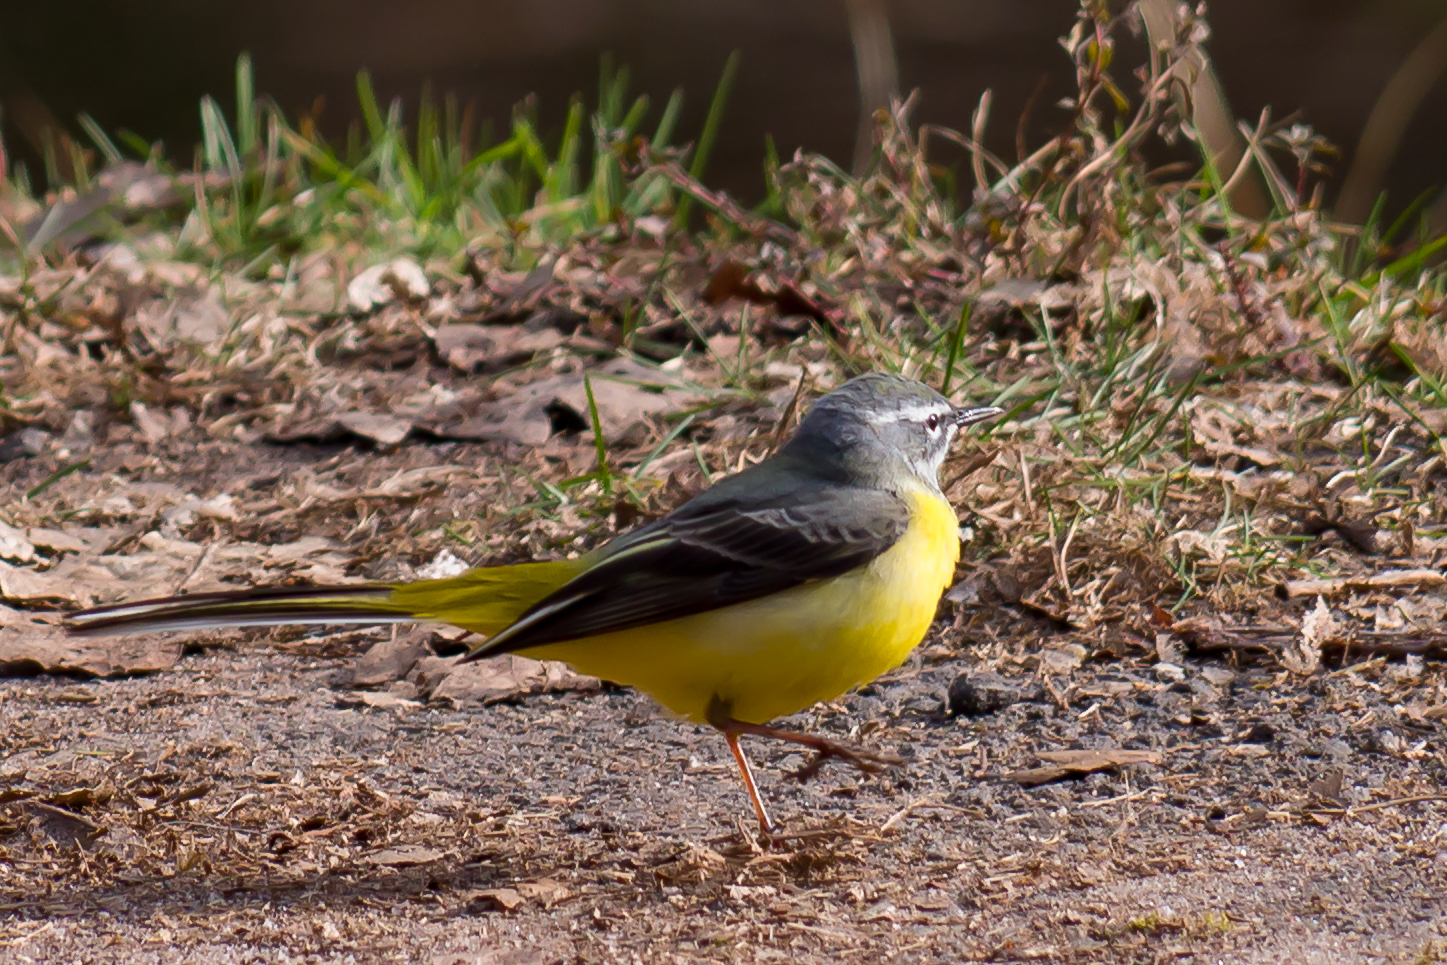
(544, 891)
(384, 429)
(55, 540)
(24, 586)
(65, 825)
(1079, 763)
(82, 797)
(406, 856)
(14, 546)
(1328, 787)
(503, 899)
(378, 700)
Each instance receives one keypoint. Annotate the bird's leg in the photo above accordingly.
(766, 826)
(719, 717)
(870, 762)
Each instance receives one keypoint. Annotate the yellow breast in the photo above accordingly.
(779, 654)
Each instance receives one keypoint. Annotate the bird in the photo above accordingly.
(786, 584)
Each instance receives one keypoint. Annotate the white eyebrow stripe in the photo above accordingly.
(910, 413)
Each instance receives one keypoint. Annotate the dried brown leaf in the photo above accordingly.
(626, 393)
(508, 677)
(1320, 627)
(392, 659)
(38, 648)
(473, 348)
(401, 278)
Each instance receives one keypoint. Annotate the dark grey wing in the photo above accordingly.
(714, 553)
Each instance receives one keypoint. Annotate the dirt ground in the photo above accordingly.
(249, 805)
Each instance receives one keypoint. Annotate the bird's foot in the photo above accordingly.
(870, 762)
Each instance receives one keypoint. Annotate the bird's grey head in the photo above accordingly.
(881, 429)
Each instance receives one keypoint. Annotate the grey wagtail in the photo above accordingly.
(789, 583)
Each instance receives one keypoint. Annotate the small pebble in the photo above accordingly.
(978, 696)
(1169, 673)
(1260, 733)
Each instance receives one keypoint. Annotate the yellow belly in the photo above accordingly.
(779, 654)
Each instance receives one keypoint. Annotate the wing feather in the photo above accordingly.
(715, 553)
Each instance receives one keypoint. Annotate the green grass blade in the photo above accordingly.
(1369, 241)
(47, 159)
(429, 146)
(79, 166)
(1411, 211)
(138, 144)
(650, 192)
(1410, 262)
(272, 164)
(511, 148)
(1435, 387)
(711, 124)
(699, 165)
(562, 177)
(955, 340)
(218, 148)
(246, 133)
(669, 121)
(606, 187)
(673, 433)
(221, 156)
(605, 85)
(404, 171)
(371, 114)
(773, 203)
(600, 442)
(56, 477)
(635, 115)
(532, 148)
(98, 137)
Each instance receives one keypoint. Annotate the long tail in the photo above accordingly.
(482, 600)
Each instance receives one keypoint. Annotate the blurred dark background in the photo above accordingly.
(144, 66)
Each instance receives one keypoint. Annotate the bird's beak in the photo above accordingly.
(968, 417)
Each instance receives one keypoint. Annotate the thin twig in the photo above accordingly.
(201, 559)
(726, 207)
(789, 411)
(1377, 805)
(918, 804)
(1062, 561)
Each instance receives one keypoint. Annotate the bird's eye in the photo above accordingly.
(932, 423)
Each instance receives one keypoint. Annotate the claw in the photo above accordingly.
(869, 762)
